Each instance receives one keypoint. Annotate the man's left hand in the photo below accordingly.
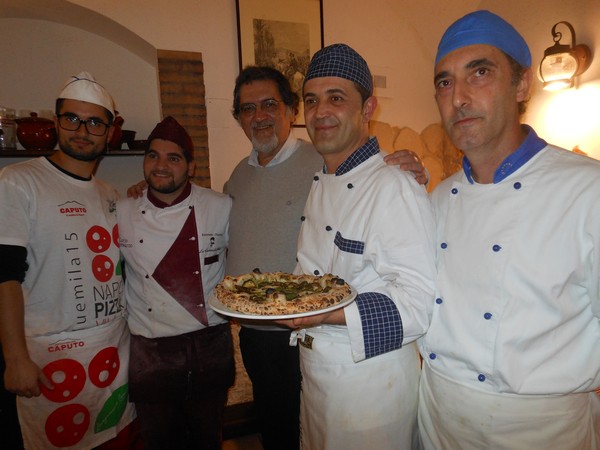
(410, 161)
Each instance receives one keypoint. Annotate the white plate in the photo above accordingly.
(219, 307)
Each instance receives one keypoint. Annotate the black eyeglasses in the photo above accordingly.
(270, 106)
(71, 122)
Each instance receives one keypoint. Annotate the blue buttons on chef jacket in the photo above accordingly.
(443, 245)
(481, 377)
(517, 185)
(350, 186)
(432, 356)
(487, 316)
(454, 191)
(439, 301)
(496, 248)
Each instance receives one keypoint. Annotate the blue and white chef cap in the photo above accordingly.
(484, 27)
(339, 60)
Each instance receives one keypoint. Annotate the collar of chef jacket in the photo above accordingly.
(359, 156)
(528, 149)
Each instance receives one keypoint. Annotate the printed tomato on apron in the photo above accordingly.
(89, 403)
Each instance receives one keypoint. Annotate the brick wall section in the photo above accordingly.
(181, 77)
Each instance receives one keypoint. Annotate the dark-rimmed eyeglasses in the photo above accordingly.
(71, 122)
(269, 106)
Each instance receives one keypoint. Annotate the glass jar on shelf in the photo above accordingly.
(8, 129)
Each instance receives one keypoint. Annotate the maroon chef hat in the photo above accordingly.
(170, 130)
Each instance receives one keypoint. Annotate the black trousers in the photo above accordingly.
(274, 369)
(179, 386)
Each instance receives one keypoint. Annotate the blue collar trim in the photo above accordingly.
(528, 149)
(359, 156)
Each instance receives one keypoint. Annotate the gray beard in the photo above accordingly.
(265, 147)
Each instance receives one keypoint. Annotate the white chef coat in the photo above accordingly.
(146, 233)
(518, 307)
(349, 402)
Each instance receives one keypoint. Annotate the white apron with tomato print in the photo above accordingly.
(74, 311)
(89, 404)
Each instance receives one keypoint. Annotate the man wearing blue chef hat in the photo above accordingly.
(371, 225)
(512, 355)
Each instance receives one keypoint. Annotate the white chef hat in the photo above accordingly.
(85, 88)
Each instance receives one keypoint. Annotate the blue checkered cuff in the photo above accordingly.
(381, 323)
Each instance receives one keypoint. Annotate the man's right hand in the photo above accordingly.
(24, 378)
(137, 190)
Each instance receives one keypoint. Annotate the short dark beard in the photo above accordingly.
(166, 189)
(67, 150)
(169, 189)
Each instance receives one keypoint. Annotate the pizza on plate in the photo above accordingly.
(279, 293)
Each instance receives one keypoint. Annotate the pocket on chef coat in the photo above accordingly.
(349, 245)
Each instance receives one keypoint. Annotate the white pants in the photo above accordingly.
(362, 405)
(452, 416)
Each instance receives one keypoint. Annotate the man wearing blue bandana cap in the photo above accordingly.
(512, 355)
(371, 225)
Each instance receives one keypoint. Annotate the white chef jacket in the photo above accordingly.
(517, 305)
(146, 233)
(348, 402)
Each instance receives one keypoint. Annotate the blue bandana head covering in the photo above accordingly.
(339, 60)
(483, 27)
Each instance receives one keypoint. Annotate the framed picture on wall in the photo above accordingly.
(282, 34)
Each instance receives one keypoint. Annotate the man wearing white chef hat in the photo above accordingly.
(62, 326)
(512, 355)
(85, 88)
(371, 225)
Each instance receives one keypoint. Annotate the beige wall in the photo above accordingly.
(398, 36)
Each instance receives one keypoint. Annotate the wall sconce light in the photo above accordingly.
(562, 63)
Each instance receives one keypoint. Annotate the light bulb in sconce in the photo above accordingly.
(562, 62)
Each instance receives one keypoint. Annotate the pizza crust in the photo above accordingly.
(279, 293)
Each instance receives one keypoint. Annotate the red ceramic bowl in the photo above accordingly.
(36, 133)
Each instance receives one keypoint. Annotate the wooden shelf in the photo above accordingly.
(34, 153)
(124, 152)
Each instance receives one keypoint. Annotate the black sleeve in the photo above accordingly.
(13, 263)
